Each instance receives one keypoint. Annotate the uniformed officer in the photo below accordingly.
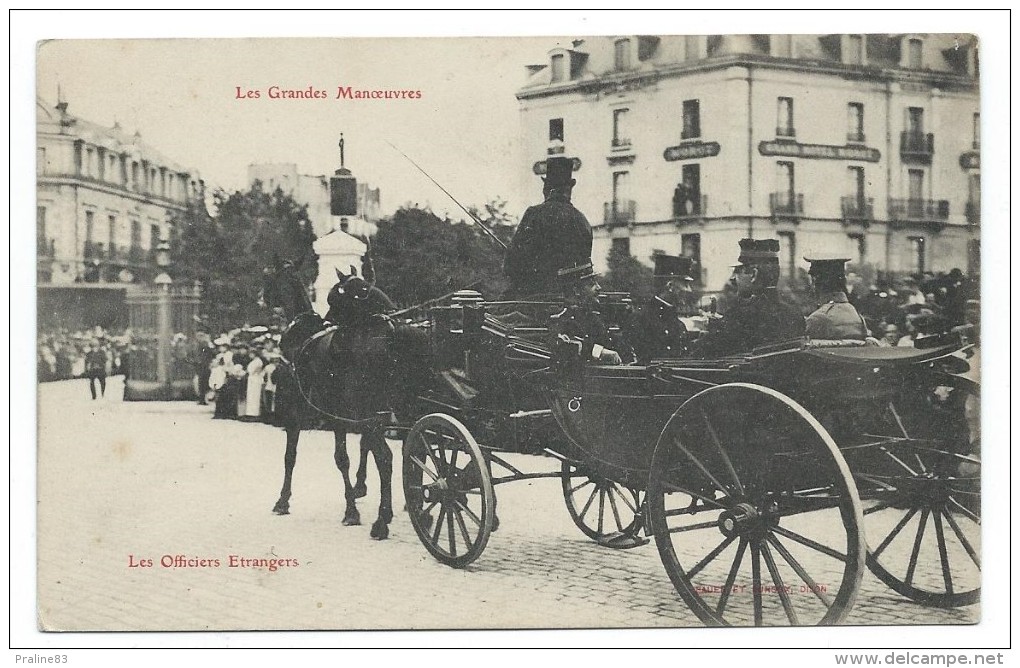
(578, 333)
(759, 317)
(836, 317)
(551, 236)
(657, 330)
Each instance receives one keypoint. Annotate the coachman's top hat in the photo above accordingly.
(559, 171)
(672, 266)
(759, 251)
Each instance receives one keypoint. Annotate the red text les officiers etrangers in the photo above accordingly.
(231, 561)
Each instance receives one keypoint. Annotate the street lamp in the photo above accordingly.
(163, 325)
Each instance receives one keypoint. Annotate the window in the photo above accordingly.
(89, 226)
(914, 54)
(974, 189)
(621, 245)
(557, 68)
(688, 195)
(113, 235)
(855, 122)
(788, 253)
(153, 236)
(134, 176)
(136, 234)
(977, 132)
(691, 50)
(87, 169)
(856, 183)
(555, 129)
(101, 163)
(620, 135)
(784, 178)
(621, 54)
(691, 120)
(854, 49)
(915, 185)
(915, 246)
(974, 257)
(40, 223)
(858, 249)
(915, 120)
(690, 246)
(784, 117)
(40, 161)
(621, 183)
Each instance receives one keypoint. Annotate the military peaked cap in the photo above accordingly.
(759, 251)
(828, 266)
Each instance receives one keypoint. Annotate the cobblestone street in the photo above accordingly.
(121, 483)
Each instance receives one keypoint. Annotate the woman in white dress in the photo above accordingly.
(256, 379)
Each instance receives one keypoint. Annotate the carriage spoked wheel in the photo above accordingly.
(448, 489)
(920, 478)
(754, 511)
(605, 511)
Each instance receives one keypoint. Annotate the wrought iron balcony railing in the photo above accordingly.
(690, 208)
(973, 212)
(619, 212)
(786, 204)
(919, 209)
(917, 146)
(857, 208)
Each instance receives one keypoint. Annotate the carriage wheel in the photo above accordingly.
(602, 508)
(922, 509)
(448, 489)
(754, 511)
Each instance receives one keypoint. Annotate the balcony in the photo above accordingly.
(690, 208)
(788, 204)
(919, 210)
(973, 212)
(855, 137)
(917, 147)
(619, 212)
(857, 209)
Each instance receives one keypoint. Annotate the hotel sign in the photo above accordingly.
(540, 167)
(821, 151)
(691, 151)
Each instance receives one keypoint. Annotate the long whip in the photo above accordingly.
(492, 235)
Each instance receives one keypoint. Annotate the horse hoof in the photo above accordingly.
(380, 530)
(352, 518)
(360, 490)
(281, 509)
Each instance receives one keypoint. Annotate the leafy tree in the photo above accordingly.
(227, 251)
(419, 257)
(627, 274)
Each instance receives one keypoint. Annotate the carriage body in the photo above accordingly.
(785, 456)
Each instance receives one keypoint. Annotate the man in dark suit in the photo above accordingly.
(759, 316)
(656, 330)
(552, 236)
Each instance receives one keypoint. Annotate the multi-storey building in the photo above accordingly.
(867, 145)
(314, 191)
(104, 200)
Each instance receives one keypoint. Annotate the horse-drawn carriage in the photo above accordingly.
(768, 480)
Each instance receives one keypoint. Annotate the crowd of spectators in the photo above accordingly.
(62, 354)
(236, 372)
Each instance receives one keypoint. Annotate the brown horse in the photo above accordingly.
(353, 376)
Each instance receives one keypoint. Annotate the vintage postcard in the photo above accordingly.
(589, 331)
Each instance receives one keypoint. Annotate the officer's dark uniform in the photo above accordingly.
(760, 320)
(551, 236)
(656, 330)
(836, 318)
(578, 334)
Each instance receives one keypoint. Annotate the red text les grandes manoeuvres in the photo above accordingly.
(312, 93)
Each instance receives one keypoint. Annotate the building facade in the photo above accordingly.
(105, 200)
(314, 191)
(867, 145)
